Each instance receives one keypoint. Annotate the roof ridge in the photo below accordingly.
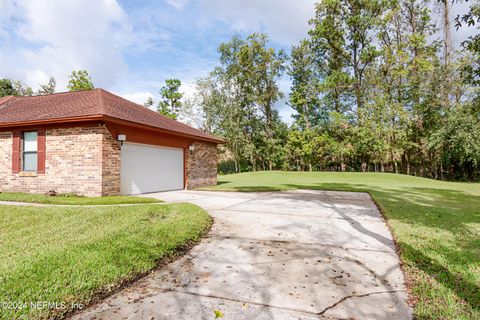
(58, 93)
(150, 110)
(130, 101)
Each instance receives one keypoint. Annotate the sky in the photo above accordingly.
(130, 47)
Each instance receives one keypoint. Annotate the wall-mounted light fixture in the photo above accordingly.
(122, 138)
(191, 148)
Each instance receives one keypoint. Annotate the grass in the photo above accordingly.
(436, 225)
(73, 200)
(70, 255)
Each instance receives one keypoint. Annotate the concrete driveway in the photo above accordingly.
(279, 255)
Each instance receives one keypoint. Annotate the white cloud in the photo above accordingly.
(138, 97)
(177, 4)
(188, 89)
(286, 21)
(6, 11)
(56, 37)
(40, 39)
(37, 76)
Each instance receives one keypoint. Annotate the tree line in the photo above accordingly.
(78, 80)
(376, 86)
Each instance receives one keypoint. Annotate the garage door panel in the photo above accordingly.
(147, 168)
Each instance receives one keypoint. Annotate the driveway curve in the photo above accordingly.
(299, 254)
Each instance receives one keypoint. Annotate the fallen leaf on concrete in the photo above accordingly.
(218, 314)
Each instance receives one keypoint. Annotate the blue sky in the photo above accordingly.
(130, 47)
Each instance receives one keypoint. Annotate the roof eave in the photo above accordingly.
(106, 119)
(172, 132)
(50, 121)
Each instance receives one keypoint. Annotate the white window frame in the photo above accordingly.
(30, 151)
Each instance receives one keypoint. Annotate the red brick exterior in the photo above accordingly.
(85, 160)
(110, 165)
(80, 160)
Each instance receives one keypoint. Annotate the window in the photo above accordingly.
(29, 159)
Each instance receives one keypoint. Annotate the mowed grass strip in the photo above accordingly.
(73, 254)
(73, 200)
(436, 225)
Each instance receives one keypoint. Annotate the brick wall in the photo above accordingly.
(202, 166)
(111, 165)
(86, 161)
(80, 160)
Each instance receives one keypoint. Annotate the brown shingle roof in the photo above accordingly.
(96, 102)
(5, 99)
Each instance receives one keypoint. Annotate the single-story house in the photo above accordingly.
(95, 143)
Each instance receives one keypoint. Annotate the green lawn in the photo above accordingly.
(73, 254)
(436, 225)
(73, 200)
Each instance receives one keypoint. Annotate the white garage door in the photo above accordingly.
(146, 168)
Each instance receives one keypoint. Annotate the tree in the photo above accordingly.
(305, 91)
(342, 39)
(171, 103)
(6, 88)
(21, 89)
(148, 103)
(254, 69)
(472, 44)
(447, 38)
(210, 100)
(402, 82)
(79, 80)
(294, 149)
(48, 88)
(459, 138)
(192, 113)
(308, 149)
(264, 66)
(220, 101)
(421, 90)
(10, 87)
(340, 130)
(237, 101)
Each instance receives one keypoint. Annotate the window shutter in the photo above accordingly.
(41, 150)
(16, 152)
